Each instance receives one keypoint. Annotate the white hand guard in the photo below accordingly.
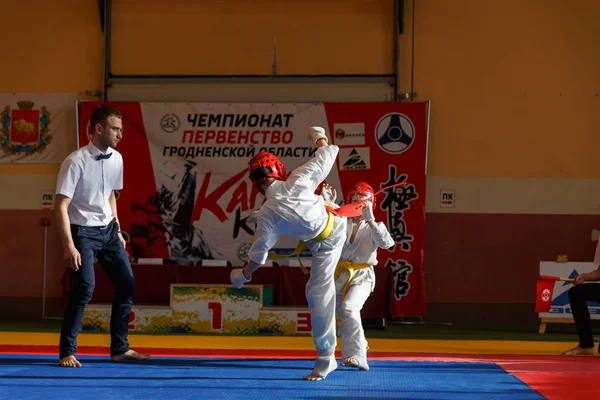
(327, 194)
(252, 218)
(315, 133)
(237, 278)
(367, 212)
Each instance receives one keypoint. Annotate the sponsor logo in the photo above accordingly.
(355, 158)
(394, 133)
(169, 123)
(349, 134)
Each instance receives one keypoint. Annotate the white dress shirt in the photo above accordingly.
(292, 208)
(88, 182)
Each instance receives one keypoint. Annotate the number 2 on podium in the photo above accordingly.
(216, 315)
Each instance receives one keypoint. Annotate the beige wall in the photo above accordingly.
(226, 37)
(50, 46)
(514, 84)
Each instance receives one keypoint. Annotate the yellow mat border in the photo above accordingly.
(197, 342)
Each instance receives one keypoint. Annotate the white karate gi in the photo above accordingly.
(294, 210)
(362, 250)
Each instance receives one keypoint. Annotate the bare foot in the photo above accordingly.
(579, 351)
(350, 362)
(323, 366)
(69, 361)
(130, 355)
(355, 363)
(312, 377)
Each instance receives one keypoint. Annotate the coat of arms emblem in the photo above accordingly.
(24, 130)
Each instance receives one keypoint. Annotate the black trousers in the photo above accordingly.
(578, 296)
(104, 244)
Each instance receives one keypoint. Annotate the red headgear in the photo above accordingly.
(361, 189)
(265, 165)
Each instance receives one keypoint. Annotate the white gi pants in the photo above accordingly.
(320, 289)
(352, 335)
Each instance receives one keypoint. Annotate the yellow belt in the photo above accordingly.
(302, 245)
(350, 267)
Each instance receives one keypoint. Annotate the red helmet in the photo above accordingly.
(265, 165)
(361, 189)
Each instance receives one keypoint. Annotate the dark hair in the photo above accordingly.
(100, 115)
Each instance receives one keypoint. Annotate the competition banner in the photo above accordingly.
(187, 196)
(37, 128)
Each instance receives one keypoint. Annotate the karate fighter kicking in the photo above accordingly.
(292, 208)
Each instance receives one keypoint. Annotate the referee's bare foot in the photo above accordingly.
(579, 351)
(69, 361)
(130, 355)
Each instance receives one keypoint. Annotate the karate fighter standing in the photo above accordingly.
(354, 276)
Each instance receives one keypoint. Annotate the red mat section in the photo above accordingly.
(558, 377)
(554, 377)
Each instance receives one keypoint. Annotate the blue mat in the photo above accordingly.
(39, 377)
